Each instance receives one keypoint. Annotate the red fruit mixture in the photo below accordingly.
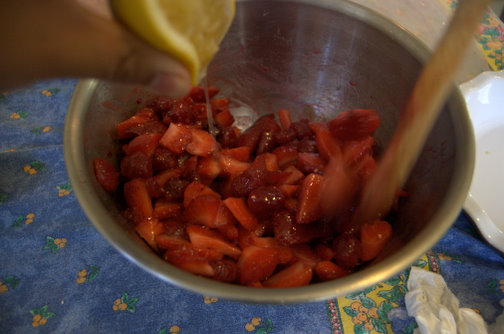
(267, 207)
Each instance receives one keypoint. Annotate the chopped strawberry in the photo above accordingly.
(175, 228)
(288, 232)
(247, 181)
(288, 190)
(373, 237)
(232, 167)
(228, 230)
(339, 188)
(203, 237)
(354, 124)
(325, 252)
(365, 168)
(106, 174)
(241, 212)
(163, 177)
(197, 93)
(196, 189)
(139, 124)
(225, 270)
(285, 118)
(219, 105)
(224, 118)
(256, 263)
(347, 251)
(285, 254)
(241, 153)
(310, 163)
(355, 150)
(208, 169)
(327, 270)
(138, 199)
(203, 210)
(310, 199)
(145, 143)
(266, 161)
(327, 146)
(286, 155)
(136, 165)
(201, 267)
(297, 274)
(202, 143)
(164, 209)
(183, 251)
(176, 138)
(292, 175)
(252, 135)
(166, 241)
(148, 229)
(163, 159)
(304, 252)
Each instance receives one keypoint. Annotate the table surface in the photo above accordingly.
(58, 274)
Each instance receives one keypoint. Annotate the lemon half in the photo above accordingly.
(188, 30)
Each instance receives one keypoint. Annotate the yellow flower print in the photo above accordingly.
(46, 93)
(125, 303)
(54, 244)
(9, 282)
(256, 324)
(50, 92)
(29, 218)
(210, 300)
(60, 242)
(87, 274)
(40, 315)
(174, 329)
(20, 114)
(64, 189)
(40, 129)
(34, 167)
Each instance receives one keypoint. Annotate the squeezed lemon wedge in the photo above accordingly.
(188, 30)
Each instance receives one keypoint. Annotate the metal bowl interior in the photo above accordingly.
(315, 58)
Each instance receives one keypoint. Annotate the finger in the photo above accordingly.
(58, 38)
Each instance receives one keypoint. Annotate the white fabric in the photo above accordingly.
(435, 307)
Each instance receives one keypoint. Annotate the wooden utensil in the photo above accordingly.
(419, 114)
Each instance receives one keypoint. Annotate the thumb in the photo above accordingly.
(60, 38)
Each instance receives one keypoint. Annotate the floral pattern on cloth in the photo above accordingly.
(59, 275)
(490, 37)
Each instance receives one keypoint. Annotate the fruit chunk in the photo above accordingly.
(256, 263)
(241, 212)
(297, 274)
(138, 199)
(327, 270)
(176, 138)
(106, 174)
(373, 237)
(310, 198)
(354, 124)
(202, 237)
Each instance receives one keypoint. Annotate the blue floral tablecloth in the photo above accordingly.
(59, 275)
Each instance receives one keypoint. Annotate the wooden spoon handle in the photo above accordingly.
(419, 114)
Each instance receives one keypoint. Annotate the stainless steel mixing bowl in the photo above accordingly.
(315, 58)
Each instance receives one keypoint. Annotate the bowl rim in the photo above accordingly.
(78, 169)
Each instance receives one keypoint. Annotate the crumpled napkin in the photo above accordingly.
(435, 307)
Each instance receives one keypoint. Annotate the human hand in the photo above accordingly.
(79, 38)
